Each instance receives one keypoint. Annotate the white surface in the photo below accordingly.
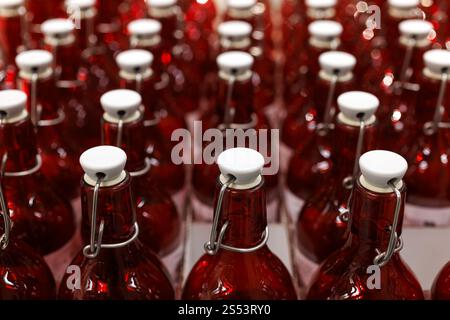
(161, 3)
(11, 3)
(81, 4)
(34, 59)
(436, 60)
(339, 61)
(236, 29)
(379, 167)
(106, 160)
(415, 27)
(244, 164)
(199, 233)
(321, 3)
(404, 4)
(59, 27)
(121, 103)
(131, 60)
(235, 61)
(12, 102)
(325, 29)
(241, 4)
(144, 27)
(356, 103)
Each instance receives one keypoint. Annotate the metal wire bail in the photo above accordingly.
(326, 126)
(395, 242)
(4, 239)
(432, 127)
(34, 107)
(229, 112)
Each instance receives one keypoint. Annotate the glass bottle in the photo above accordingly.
(399, 99)
(159, 221)
(428, 176)
(323, 221)
(324, 36)
(37, 80)
(13, 39)
(311, 162)
(115, 264)
(41, 218)
(233, 112)
(160, 119)
(238, 265)
(369, 266)
(81, 126)
(440, 289)
(261, 48)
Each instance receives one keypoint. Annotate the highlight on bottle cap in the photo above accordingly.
(235, 62)
(404, 4)
(437, 60)
(80, 4)
(241, 4)
(11, 3)
(135, 60)
(234, 29)
(121, 104)
(107, 162)
(337, 62)
(358, 105)
(12, 103)
(244, 164)
(415, 28)
(320, 4)
(57, 27)
(144, 27)
(379, 168)
(161, 3)
(325, 29)
(34, 60)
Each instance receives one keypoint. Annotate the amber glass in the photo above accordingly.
(157, 215)
(428, 174)
(441, 285)
(132, 272)
(41, 218)
(60, 164)
(320, 228)
(344, 274)
(259, 275)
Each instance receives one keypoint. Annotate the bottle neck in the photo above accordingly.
(245, 212)
(11, 37)
(373, 215)
(108, 11)
(155, 47)
(144, 83)
(169, 24)
(18, 140)
(66, 58)
(115, 206)
(133, 140)
(235, 100)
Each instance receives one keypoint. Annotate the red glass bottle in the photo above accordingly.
(233, 110)
(159, 221)
(82, 125)
(369, 266)
(160, 119)
(129, 270)
(13, 39)
(246, 269)
(311, 162)
(41, 218)
(37, 80)
(110, 23)
(399, 99)
(440, 289)
(323, 221)
(428, 177)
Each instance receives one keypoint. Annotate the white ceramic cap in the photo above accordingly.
(57, 28)
(34, 60)
(12, 103)
(105, 160)
(161, 3)
(144, 27)
(320, 4)
(337, 62)
(241, 4)
(437, 60)
(135, 60)
(415, 28)
(121, 103)
(244, 164)
(380, 167)
(80, 4)
(404, 4)
(325, 29)
(358, 105)
(235, 62)
(234, 29)
(11, 3)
